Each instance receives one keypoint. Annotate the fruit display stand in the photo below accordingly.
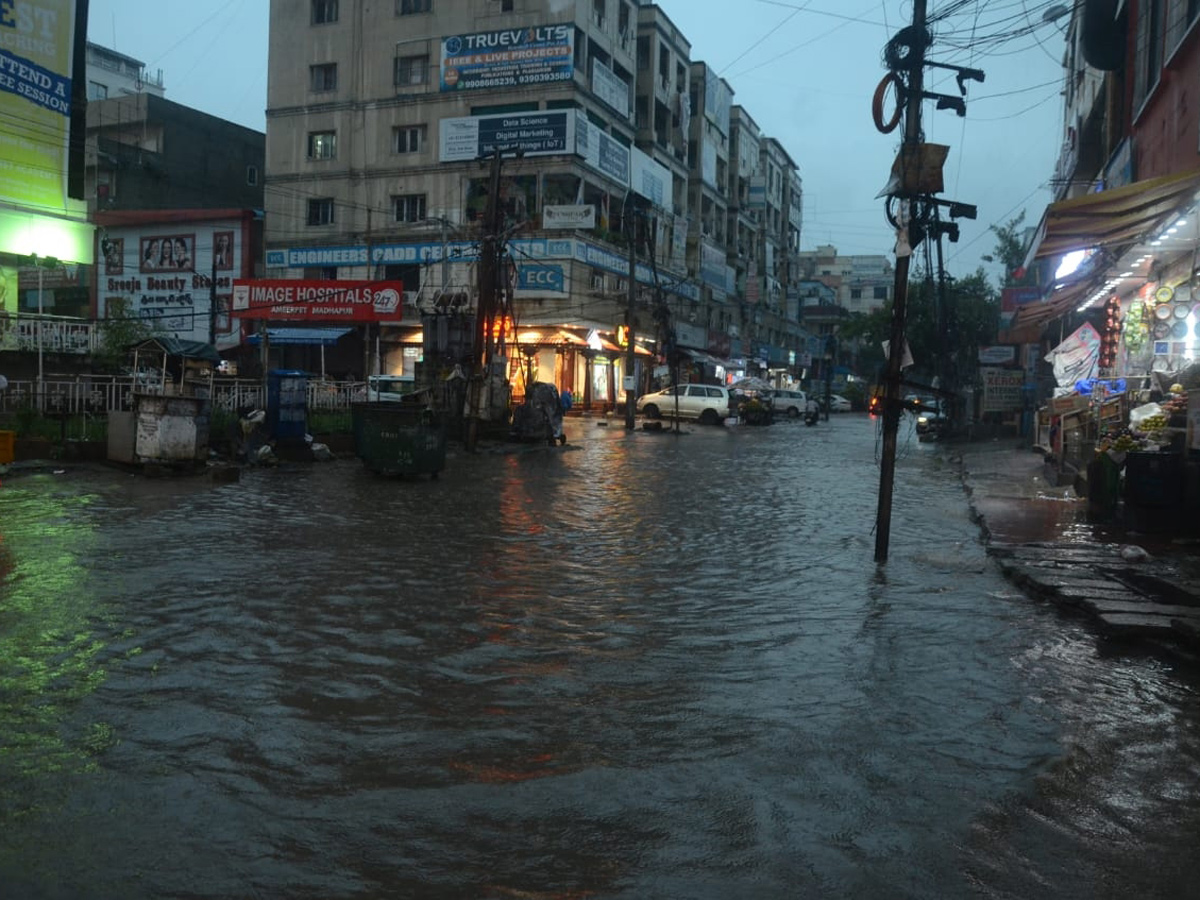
(1070, 428)
(1151, 452)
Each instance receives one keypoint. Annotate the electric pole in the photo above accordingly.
(896, 346)
(631, 227)
(212, 302)
(916, 176)
(485, 306)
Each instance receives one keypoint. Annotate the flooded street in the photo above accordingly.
(641, 666)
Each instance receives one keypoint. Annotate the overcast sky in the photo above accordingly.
(805, 71)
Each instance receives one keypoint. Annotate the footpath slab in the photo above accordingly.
(1131, 586)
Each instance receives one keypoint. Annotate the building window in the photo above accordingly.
(252, 175)
(855, 293)
(408, 207)
(412, 70)
(97, 91)
(1148, 51)
(506, 5)
(320, 211)
(322, 145)
(881, 292)
(412, 7)
(322, 77)
(324, 12)
(408, 139)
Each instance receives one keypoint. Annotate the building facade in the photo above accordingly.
(145, 152)
(1116, 250)
(113, 74)
(383, 126)
(861, 283)
(46, 245)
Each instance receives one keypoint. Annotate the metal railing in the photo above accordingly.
(99, 395)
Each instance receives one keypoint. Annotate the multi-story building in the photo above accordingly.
(1126, 171)
(146, 152)
(711, 100)
(383, 126)
(379, 120)
(662, 110)
(177, 195)
(113, 74)
(861, 283)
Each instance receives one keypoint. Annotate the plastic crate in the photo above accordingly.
(8, 441)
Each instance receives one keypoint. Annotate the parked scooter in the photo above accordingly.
(812, 413)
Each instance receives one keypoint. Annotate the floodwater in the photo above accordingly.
(641, 666)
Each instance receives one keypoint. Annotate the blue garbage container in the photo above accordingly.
(287, 404)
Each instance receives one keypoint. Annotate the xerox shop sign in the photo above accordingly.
(295, 300)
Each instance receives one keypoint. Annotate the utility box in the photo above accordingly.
(287, 404)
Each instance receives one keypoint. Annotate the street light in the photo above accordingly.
(42, 265)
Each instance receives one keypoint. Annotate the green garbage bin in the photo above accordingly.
(1103, 486)
(398, 439)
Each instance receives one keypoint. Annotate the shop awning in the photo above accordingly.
(551, 337)
(1054, 307)
(617, 350)
(1112, 218)
(701, 356)
(310, 337)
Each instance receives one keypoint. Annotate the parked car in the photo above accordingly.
(389, 388)
(708, 404)
(838, 403)
(789, 403)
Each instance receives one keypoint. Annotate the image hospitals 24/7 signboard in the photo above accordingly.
(514, 57)
(295, 300)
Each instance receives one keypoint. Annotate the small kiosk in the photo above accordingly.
(168, 419)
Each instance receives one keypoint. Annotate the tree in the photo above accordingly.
(119, 331)
(948, 352)
(864, 334)
(1010, 253)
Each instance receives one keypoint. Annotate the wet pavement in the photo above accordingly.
(1132, 585)
(641, 666)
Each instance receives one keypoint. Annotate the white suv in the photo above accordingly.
(706, 403)
(789, 403)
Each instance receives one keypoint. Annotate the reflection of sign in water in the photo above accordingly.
(515, 57)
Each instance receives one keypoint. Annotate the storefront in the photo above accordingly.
(45, 238)
(1125, 325)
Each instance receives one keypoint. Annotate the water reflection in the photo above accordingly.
(643, 666)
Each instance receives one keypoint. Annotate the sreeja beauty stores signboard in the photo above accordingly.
(294, 300)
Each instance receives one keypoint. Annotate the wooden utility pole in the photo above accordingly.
(896, 345)
(630, 361)
(485, 307)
